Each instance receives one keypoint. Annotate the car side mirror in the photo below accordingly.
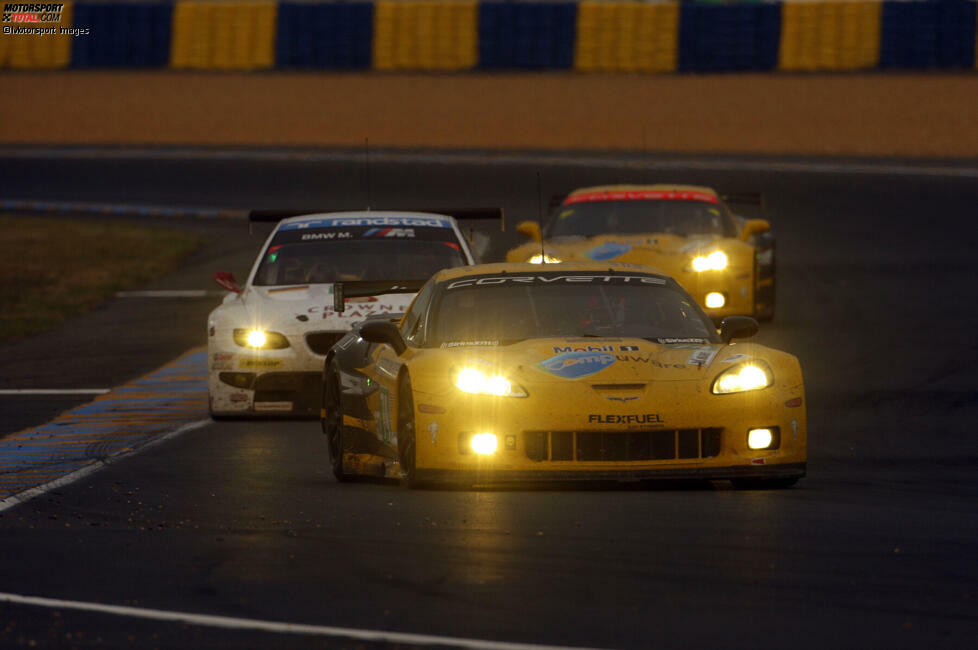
(383, 331)
(225, 279)
(754, 227)
(531, 229)
(738, 327)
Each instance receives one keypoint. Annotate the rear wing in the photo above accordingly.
(746, 198)
(273, 216)
(344, 290)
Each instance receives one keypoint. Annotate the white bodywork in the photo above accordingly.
(294, 311)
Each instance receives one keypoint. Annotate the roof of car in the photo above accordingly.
(526, 267)
(660, 187)
(363, 214)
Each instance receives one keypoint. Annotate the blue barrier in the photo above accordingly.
(527, 35)
(935, 34)
(122, 34)
(324, 35)
(724, 38)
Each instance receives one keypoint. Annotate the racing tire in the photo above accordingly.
(406, 437)
(763, 483)
(766, 313)
(332, 422)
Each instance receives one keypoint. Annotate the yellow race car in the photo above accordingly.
(515, 372)
(725, 261)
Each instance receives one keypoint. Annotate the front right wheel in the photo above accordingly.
(332, 421)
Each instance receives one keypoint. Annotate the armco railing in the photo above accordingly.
(587, 36)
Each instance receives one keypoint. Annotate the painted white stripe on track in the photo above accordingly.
(54, 391)
(96, 465)
(232, 623)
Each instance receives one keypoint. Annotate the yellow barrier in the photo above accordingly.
(627, 37)
(223, 35)
(830, 35)
(32, 51)
(440, 35)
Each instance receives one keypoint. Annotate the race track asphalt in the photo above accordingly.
(876, 548)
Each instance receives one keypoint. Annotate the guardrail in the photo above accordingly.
(439, 35)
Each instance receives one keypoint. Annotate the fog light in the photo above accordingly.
(484, 443)
(256, 339)
(760, 438)
(715, 300)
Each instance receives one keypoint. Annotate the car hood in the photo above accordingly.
(593, 361)
(294, 310)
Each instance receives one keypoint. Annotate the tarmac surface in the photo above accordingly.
(875, 548)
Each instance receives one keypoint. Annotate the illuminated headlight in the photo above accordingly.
(472, 380)
(760, 438)
(715, 261)
(753, 375)
(715, 300)
(544, 259)
(260, 339)
(484, 443)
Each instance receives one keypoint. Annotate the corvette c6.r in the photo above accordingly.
(725, 261)
(267, 341)
(512, 372)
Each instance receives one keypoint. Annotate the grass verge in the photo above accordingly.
(54, 269)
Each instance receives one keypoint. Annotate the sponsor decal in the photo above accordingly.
(340, 222)
(681, 341)
(241, 397)
(221, 361)
(614, 418)
(628, 348)
(320, 236)
(640, 195)
(794, 428)
(702, 356)
(259, 364)
(736, 357)
(361, 309)
(757, 461)
(384, 416)
(388, 366)
(433, 430)
(390, 232)
(615, 398)
(273, 406)
(461, 344)
(583, 348)
(608, 251)
(556, 279)
(634, 358)
(574, 365)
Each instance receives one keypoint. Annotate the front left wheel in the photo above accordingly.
(406, 438)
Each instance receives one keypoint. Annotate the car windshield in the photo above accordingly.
(513, 311)
(344, 261)
(678, 217)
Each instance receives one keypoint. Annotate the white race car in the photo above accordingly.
(267, 341)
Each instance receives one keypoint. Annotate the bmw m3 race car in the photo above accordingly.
(725, 261)
(514, 372)
(267, 341)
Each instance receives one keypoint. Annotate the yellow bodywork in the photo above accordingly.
(638, 393)
(667, 253)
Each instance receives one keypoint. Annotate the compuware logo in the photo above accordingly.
(574, 365)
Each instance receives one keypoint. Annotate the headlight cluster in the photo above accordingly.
(715, 261)
(753, 375)
(473, 380)
(260, 339)
(543, 258)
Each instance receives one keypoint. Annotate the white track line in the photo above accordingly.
(233, 623)
(54, 391)
(170, 293)
(96, 465)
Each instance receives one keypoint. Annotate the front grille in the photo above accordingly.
(321, 342)
(611, 446)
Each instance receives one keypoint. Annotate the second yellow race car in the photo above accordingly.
(511, 372)
(725, 261)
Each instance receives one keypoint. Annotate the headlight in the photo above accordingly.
(715, 300)
(715, 261)
(544, 259)
(752, 375)
(260, 339)
(472, 380)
